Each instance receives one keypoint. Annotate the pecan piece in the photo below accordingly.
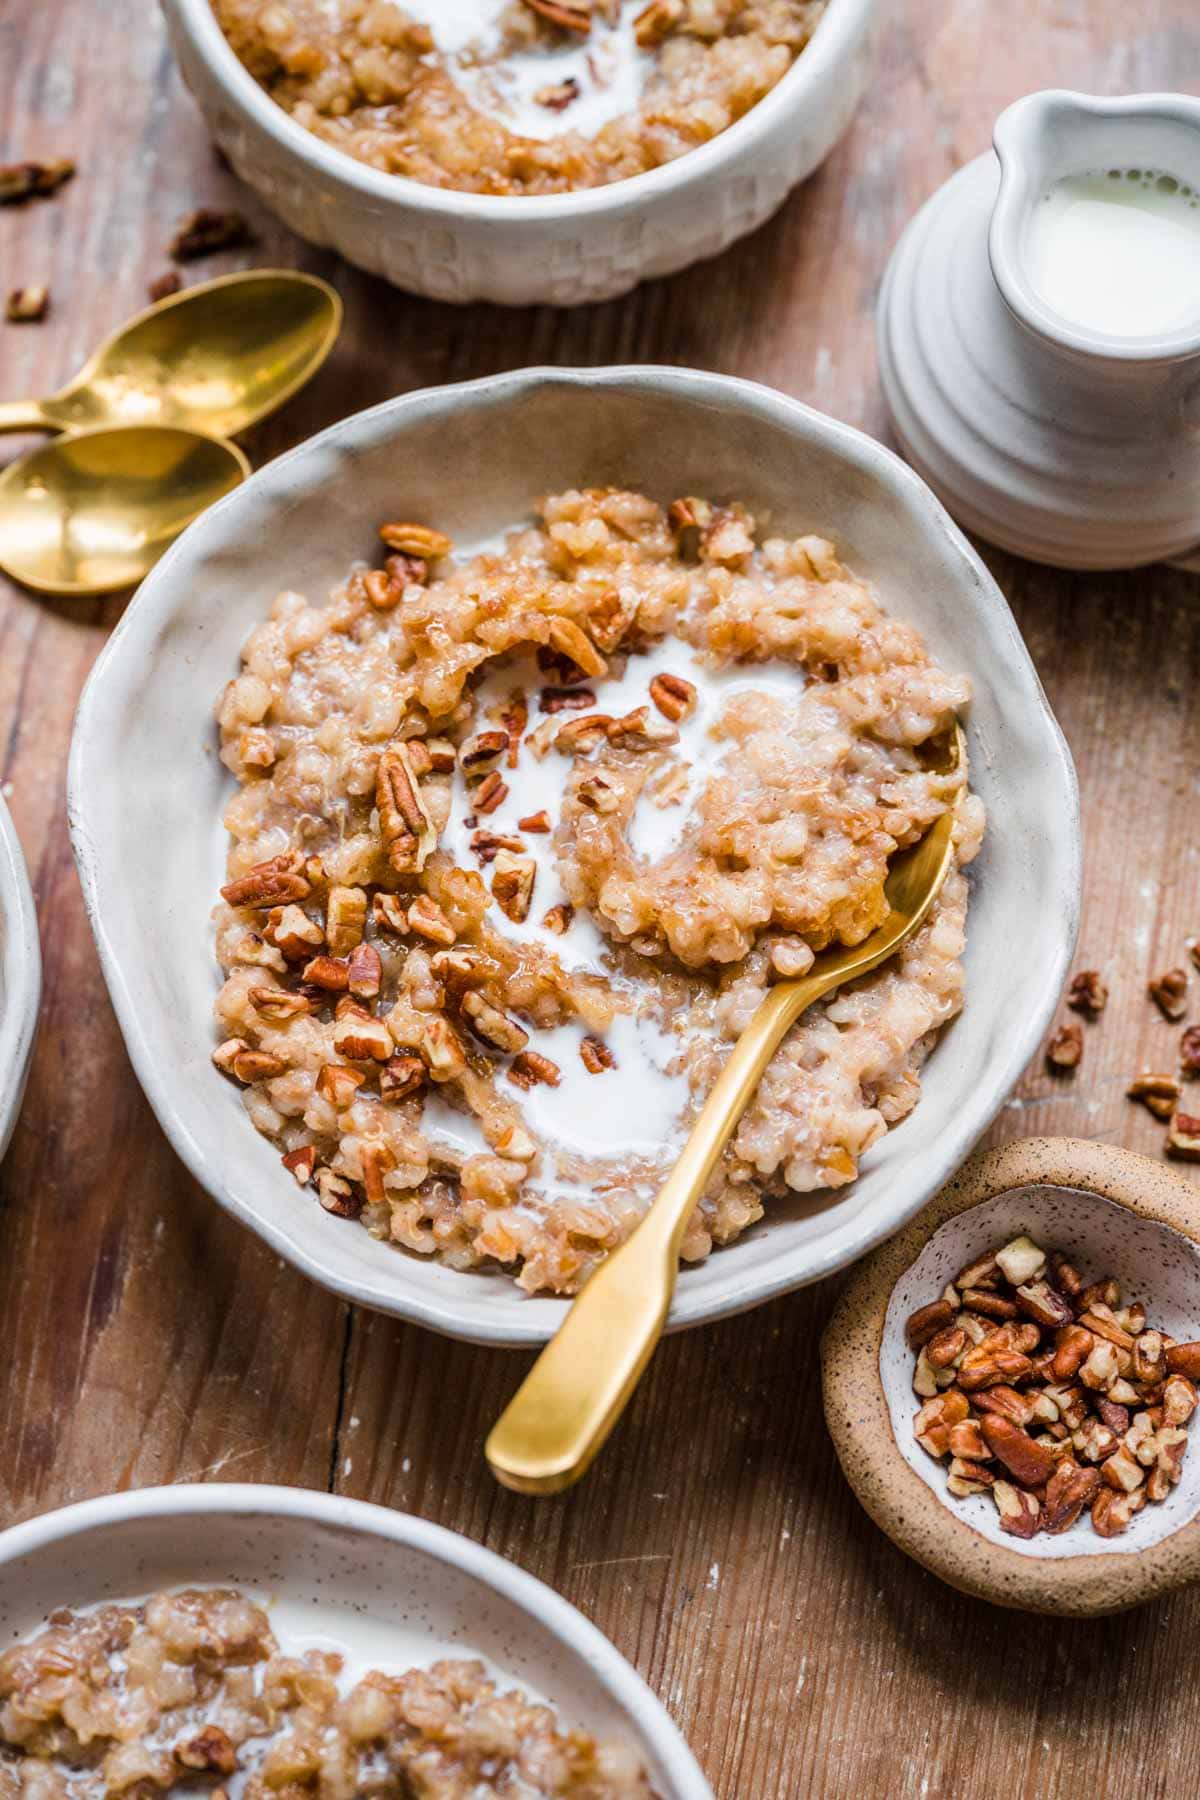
(567, 18)
(966, 1477)
(212, 1750)
(491, 793)
(1072, 1348)
(364, 972)
(1065, 1275)
(927, 1320)
(338, 1084)
(1021, 1260)
(966, 1439)
(993, 1306)
(462, 968)
(382, 590)
(442, 1049)
(278, 1004)
(1005, 1402)
(1044, 1305)
(1020, 1514)
(328, 972)
(345, 919)
(1065, 1049)
(579, 736)
(945, 1347)
(1159, 1093)
(638, 731)
(566, 699)
(1094, 1441)
(535, 822)
(1026, 1460)
(937, 1419)
(293, 933)
(33, 180)
(272, 883)
(479, 754)
(427, 919)
(27, 305)
(1122, 1470)
(1184, 1359)
(515, 1143)
(1169, 992)
(408, 833)
(1183, 1137)
(401, 1076)
(420, 541)
(1099, 1368)
(570, 641)
(337, 1196)
(363, 1040)
(494, 1026)
(674, 697)
(597, 1057)
(512, 884)
(301, 1163)
(1068, 1491)
(1189, 1050)
(984, 1272)
(388, 912)
(558, 919)
(207, 230)
(598, 792)
(1088, 992)
(986, 1367)
(1179, 1401)
(529, 1067)
(650, 27)
(1112, 1512)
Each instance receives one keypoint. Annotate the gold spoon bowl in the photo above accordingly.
(581, 1383)
(215, 358)
(94, 511)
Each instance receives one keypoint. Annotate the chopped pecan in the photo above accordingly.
(328, 972)
(363, 1040)
(416, 540)
(1043, 1304)
(406, 570)
(1068, 1491)
(1065, 1275)
(345, 918)
(382, 590)
(273, 883)
(567, 18)
(937, 1418)
(535, 822)
(596, 1057)
(514, 719)
(1171, 1444)
(1189, 1050)
(1102, 1293)
(487, 845)
(927, 1320)
(491, 793)
(674, 697)
(207, 230)
(301, 1163)
(1099, 1367)
(33, 180)
(579, 736)
(375, 1160)
(1021, 1260)
(515, 1143)
(966, 1477)
(443, 757)
(1005, 1402)
(729, 538)
(1112, 1512)
(337, 1196)
(966, 1439)
(1159, 1093)
(427, 919)
(984, 1272)
(638, 731)
(338, 1084)
(479, 754)
(1065, 1048)
(650, 27)
(462, 968)
(1027, 1461)
(278, 1004)
(408, 833)
(493, 1025)
(1183, 1137)
(984, 1366)
(364, 972)
(27, 305)
(211, 1750)
(1088, 992)
(1122, 1470)
(945, 1347)
(609, 618)
(1094, 1440)
(597, 792)
(992, 1306)
(400, 1076)
(1169, 992)
(558, 918)
(1111, 1412)
(512, 884)
(570, 641)
(1184, 1359)
(388, 912)
(293, 933)
(566, 699)
(1020, 1514)
(1179, 1401)
(442, 1049)
(529, 1067)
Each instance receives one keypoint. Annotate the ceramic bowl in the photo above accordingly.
(378, 1583)
(561, 248)
(20, 976)
(147, 788)
(1113, 1213)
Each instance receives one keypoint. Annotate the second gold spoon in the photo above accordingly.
(215, 358)
(582, 1381)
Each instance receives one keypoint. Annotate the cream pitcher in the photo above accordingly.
(1039, 333)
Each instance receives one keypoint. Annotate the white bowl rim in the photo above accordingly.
(530, 1595)
(542, 1315)
(839, 23)
(20, 974)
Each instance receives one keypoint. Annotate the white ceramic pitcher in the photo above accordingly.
(1063, 444)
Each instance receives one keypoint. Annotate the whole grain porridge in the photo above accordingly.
(520, 841)
(190, 1693)
(517, 96)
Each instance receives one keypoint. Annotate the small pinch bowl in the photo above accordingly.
(147, 788)
(20, 976)
(1112, 1212)
(395, 1586)
(520, 250)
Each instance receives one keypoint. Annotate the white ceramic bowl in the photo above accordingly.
(147, 788)
(562, 248)
(20, 976)
(371, 1579)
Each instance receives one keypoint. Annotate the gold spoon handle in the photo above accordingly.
(24, 415)
(581, 1383)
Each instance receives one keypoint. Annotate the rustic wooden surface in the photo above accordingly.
(148, 1339)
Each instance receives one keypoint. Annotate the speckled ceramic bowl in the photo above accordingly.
(379, 1585)
(1114, 1213)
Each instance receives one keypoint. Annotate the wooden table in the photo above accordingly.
(149, 1339)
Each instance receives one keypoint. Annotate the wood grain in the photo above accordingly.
(148, 1339)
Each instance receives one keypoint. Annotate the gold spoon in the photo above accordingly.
(93, 511)
(580, 1384)
(216, 358)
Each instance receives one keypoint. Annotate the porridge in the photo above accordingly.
(190, 1693)
(520, 842)
(517, 96)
